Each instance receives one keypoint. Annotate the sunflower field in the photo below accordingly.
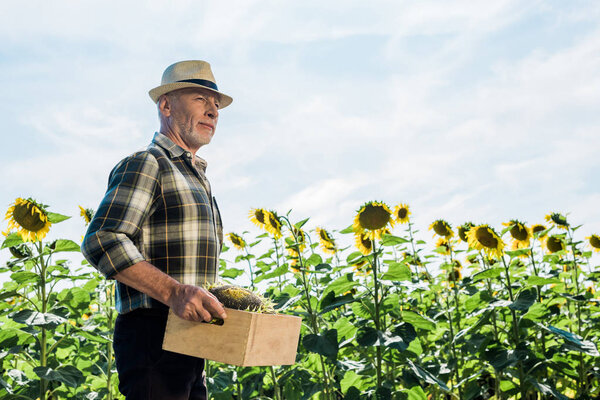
(466, 312)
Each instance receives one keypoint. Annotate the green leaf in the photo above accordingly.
(231, 273)
(501, 358)
(13, 239)
(367, 336)
(536, 312)
(416, 393)
(34, 318)
(417, 320)
(487, 274)
(345, 328)
(24, 277)
(397, 272)
(535, 280)
(282, 269)
(314, 260)
(330, 301)
(300, 224)
(364, 308)
(548, 389)
(391, 240)
(349, 229)
(479, 299)
(517, 253)
(352, 379)
(576, 342)
(426, 376)
(7, 294)
(68, 375)
(65, 245)
(325, 344)
(525, 299)
(55, 218)
(342, 284)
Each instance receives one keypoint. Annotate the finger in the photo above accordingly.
(215, 307)
(205, 315)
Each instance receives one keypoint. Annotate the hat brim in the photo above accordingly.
(169, 87)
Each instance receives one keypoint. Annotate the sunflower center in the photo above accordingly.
(441, 228)
(554, 244)
(486, 238)
(402, 213)
(374, 217)
(538, 228)
(595, 241)
(260, 216)
(519, 232)
(559, 219)
(29, 217)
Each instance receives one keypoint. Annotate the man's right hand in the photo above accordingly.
(195, 304)
(187, 301)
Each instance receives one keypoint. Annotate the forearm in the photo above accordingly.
(187, 301)
(148, 279)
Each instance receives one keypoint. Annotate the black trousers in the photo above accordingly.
(146, 371)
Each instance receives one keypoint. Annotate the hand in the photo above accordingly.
(195, 304)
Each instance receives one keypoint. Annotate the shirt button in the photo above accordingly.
(188, 154)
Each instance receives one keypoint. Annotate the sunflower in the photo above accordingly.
(558, 219)
(372, 219)
(29, 218)
(463, 229)
(442, 228)
(364, 243)
(455, 274)
(594, 242)
(445, 245)
(401, 213)
(538, 230)
(87, 214)
(272, 223)
(237, 241)
(293, 255)
(258, 216)
(483, 237)
(520, 233)
(362, 268)
(326, 241)
(554, 243)
(299, 237)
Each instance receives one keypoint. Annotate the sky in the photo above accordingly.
(466, 111)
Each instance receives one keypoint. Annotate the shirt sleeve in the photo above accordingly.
(110, 242)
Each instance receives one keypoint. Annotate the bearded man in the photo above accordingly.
(158, 233)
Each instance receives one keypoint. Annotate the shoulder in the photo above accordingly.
(143, 161)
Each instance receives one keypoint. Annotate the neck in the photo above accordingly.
(176, 138)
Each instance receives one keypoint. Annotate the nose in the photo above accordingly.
(212, 111)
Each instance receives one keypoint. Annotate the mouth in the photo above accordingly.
(206, 124)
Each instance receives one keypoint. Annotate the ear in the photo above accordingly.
(164, 105)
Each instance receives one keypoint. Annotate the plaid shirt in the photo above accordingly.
(158, 208)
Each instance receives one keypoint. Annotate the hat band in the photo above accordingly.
(202, 82)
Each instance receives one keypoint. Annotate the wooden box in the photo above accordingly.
(244, 339)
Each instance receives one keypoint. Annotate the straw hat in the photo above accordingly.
(188, 74)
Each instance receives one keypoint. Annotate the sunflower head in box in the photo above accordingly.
(238, 298)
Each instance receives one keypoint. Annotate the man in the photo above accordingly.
(158, 233)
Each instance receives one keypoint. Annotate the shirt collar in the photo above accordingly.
(176, 151)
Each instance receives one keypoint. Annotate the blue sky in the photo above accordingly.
(464, 110)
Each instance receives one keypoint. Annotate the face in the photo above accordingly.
(191, 115)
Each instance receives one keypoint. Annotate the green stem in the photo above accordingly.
(275, 385)
(43, 334)
(377, 311)
(517, 339)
